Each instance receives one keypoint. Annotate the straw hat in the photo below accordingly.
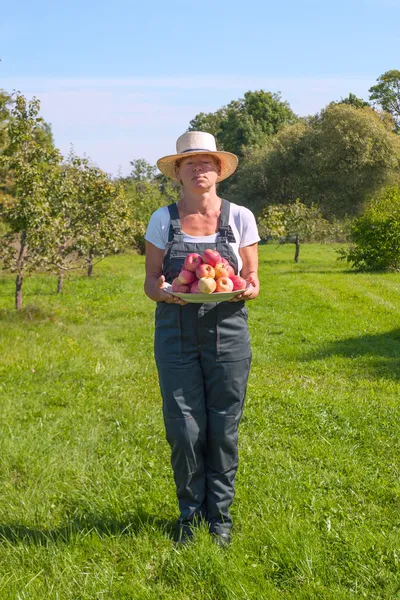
(197, 142)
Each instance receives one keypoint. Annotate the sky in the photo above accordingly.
(122, 80)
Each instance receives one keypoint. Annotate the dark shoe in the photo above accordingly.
(222, 539)
(185, 534)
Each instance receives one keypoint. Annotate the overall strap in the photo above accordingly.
(175, 230)
(225, 230)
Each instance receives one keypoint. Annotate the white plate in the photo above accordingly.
(201, 298)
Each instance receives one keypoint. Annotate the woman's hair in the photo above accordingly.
(215, 159)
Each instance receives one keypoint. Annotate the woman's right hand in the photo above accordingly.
(162, 295)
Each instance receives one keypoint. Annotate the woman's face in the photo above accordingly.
(199, 171)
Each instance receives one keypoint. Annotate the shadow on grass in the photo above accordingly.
(102, 526)
(382, 352)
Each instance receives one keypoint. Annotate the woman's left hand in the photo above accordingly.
(251, 291)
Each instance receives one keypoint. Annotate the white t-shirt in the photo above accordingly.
(241, 220)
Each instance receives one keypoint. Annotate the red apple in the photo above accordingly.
(231, 270)
(207, 285)
(228, 266)
(224, 284)
(194, 288)
(186, 277)
(205, 270)
(211, 257)
(221, 270)
(238, 282)
(192, 261)
(177, 286)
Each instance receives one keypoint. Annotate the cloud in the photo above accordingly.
(114, 120)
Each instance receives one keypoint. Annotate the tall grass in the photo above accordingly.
(87, 501)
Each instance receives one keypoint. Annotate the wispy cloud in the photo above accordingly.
(114, 120)
(186, 83)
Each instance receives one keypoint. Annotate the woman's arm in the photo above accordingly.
(154, 282)
(249, 256)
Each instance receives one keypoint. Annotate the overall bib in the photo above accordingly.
(203, 357)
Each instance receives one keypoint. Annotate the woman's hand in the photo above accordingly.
(162, 295)
(154, 285)
(251, 291)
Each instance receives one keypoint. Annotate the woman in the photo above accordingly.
(202, 351)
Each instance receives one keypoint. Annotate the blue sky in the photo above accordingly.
(121, 80)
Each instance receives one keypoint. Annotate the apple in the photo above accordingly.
(186, 277)
(207, 285)
(177, 286)
(192, 261)
(231, 270)
(221, 270)
(224, 284)
(194, 288)
(211, 257)
(228, 266)
(205, 270)
(238, 283)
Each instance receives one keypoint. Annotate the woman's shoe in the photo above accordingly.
(222, 539)
(185, 534)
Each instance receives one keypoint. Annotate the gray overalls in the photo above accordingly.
(203, 359)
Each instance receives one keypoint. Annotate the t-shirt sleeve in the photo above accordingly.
(248, 230)
(158, 228)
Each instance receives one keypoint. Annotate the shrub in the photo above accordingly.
(376, 235)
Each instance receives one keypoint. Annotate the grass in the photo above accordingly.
(87, 500)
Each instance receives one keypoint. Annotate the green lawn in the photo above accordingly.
(87, 497)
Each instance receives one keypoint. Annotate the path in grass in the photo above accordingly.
(87, 497)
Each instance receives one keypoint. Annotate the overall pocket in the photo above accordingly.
(168, 334)
(233, 339)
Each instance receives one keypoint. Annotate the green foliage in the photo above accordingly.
(294, 222)
(334, 160)
(96, 216)
(208, 122)
(142, 170)
(376, 235)
(304, 222)
(271, 222)
(5, 115)
(58, 213)
(33, 168)
(272, 174)
(386, 93)
(145, 193)
(353, 100)
(247, 121)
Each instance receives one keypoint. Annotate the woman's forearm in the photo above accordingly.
(150, 287)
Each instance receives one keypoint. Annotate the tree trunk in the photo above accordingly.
(20, 276)
(90, 264)
(60, 281)
(296, 255)
(18, 290)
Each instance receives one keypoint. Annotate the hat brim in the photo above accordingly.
(229, 162)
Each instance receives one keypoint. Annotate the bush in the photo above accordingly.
(376, 235)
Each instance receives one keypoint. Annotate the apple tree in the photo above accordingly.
(295, 223)
(98, 218)
(33, 168)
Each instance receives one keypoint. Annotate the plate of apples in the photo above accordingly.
(208, 277)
